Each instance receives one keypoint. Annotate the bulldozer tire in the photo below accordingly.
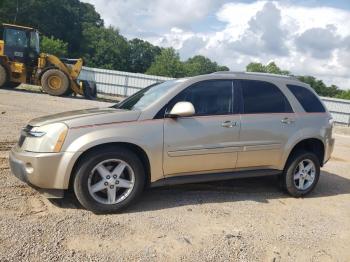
(3, 76)
(55, 82)
(89, 89)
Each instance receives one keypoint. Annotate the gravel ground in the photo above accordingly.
(245, 220)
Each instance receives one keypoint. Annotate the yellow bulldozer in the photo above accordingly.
(22, 62)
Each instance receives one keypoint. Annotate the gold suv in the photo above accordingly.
(211, 127)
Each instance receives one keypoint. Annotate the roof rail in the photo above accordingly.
(257, 74)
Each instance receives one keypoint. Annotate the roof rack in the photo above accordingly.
(257, 74)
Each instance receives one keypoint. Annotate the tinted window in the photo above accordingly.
(307, 99)
(213, 97)
(16, 38)
(263, 97)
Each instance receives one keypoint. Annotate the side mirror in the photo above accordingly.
(182, 109)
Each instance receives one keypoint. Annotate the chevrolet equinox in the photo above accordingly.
(211, 127)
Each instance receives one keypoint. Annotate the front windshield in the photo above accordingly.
(17, 38)
(147, 96)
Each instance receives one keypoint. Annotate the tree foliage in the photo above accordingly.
(344, 95)
(167, 63)
(270, 68)
(104, 48)
(53, 46)
(199, 65)
(63, 19)
(142, 55)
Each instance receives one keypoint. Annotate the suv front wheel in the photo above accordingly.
(301, 173)
(109, 180)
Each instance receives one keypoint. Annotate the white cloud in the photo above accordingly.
(302, 39)
(314, 37)
(319, 42)
(136, 17)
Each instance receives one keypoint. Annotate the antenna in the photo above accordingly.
(16, 13)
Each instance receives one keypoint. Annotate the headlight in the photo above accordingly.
(48, 138)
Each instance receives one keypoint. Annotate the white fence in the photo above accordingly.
(339, 108)
(120, 83)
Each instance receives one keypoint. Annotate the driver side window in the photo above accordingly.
(212, 97)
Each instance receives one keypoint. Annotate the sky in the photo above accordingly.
(306, 37)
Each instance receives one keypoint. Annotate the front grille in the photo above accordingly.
(24, 133)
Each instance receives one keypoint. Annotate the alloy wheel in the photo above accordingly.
(111, 181)
(304, 174)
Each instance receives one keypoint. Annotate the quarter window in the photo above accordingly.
(212, 97)
(263, 97)
(307, 99)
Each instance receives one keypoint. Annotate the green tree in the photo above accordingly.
(199, 65)
(256, 67)
(270, 68)
(167, 63)
(53, 46)
(344, 94)
(63, 19)
(105, 48)
(141, 55)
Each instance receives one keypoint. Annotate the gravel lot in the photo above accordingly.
(246, 220)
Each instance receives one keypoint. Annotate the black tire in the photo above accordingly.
(3, 76)
(89, 89)
(87, 165)
(288, 182)
(52, 76)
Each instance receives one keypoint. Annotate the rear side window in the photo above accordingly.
(263, 97)
(307, 99)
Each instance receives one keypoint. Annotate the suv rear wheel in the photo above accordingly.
(301, 173)
(109, 180)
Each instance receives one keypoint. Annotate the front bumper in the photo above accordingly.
(42, 171)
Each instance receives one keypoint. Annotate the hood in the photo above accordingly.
(90, 116)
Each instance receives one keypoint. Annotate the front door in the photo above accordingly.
(207, 141)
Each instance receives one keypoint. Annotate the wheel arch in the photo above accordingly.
(312, 144)
(139, 151)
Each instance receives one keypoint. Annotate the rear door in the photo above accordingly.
(207, 141)
(267, 122)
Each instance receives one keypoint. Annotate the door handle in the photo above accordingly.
(287, 120)
(228, 123)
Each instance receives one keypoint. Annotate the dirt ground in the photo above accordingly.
(238, 220)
